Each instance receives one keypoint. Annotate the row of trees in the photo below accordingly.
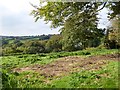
(32, 46)
(54, 44)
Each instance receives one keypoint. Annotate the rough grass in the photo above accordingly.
(30, 59)
(106, 77)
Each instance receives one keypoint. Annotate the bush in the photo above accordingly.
(8, 80)
(86, 53)
(102, 46)
(54, 44)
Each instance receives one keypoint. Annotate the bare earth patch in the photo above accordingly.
(65, 65)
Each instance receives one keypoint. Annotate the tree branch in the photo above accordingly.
(103, 6)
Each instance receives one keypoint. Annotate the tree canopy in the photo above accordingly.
(78, 20)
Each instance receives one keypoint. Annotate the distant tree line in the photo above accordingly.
(55, 44)
(40, 37)
(26, 44)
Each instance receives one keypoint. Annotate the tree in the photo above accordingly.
(4, 42)
(116, 21)
(78, 34)
(114, 34)
(33, 47)
(115, 8)
(54, 43)
(78, 21)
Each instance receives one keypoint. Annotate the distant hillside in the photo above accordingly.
(38, 37)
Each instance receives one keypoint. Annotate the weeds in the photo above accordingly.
(106, 77)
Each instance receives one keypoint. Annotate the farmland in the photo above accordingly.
(90, 68)
(83, 55)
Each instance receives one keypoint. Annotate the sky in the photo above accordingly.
(15, 19)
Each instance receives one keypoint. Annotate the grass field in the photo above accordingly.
(91, 68)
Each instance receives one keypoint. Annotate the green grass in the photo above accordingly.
(90, 79)
(82, 79)
(30, 59)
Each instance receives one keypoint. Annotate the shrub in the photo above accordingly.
(8, 80)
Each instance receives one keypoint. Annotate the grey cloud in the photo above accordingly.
(23, 24)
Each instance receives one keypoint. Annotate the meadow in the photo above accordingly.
(83, 55)
(90, 68)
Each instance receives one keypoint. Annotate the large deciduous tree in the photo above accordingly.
(114, 32)
(78, 21)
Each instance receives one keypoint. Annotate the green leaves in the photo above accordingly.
(54, 43)
(115, 7)
(78, 21)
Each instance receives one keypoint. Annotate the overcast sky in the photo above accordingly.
(16, 21)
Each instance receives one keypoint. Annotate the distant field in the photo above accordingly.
(91, 68)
